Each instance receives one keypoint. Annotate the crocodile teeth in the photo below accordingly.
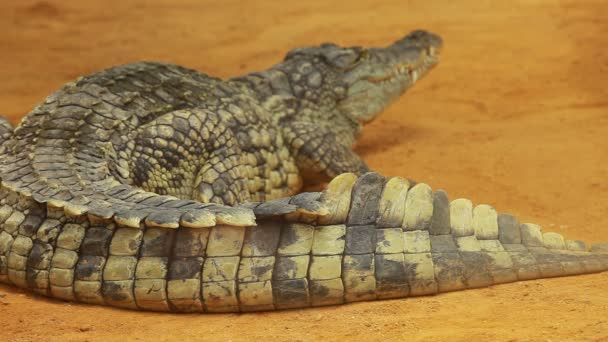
(414, 75)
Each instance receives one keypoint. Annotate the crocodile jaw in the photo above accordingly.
(383, 74)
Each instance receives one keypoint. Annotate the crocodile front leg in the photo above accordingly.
(320, 153)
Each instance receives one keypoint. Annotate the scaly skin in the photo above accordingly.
(150, 186)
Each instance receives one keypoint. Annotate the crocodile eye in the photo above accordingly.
(362, 55)
(347, 59)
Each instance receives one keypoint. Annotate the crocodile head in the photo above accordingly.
(367, 80)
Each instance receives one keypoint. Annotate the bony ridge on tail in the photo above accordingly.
(151, 186)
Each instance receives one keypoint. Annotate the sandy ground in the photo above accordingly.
(516, 116)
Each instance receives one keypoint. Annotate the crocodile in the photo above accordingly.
(154, 187)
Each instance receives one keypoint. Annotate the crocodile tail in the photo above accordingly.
(404, 240)
(380, 238)
(138, 250)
